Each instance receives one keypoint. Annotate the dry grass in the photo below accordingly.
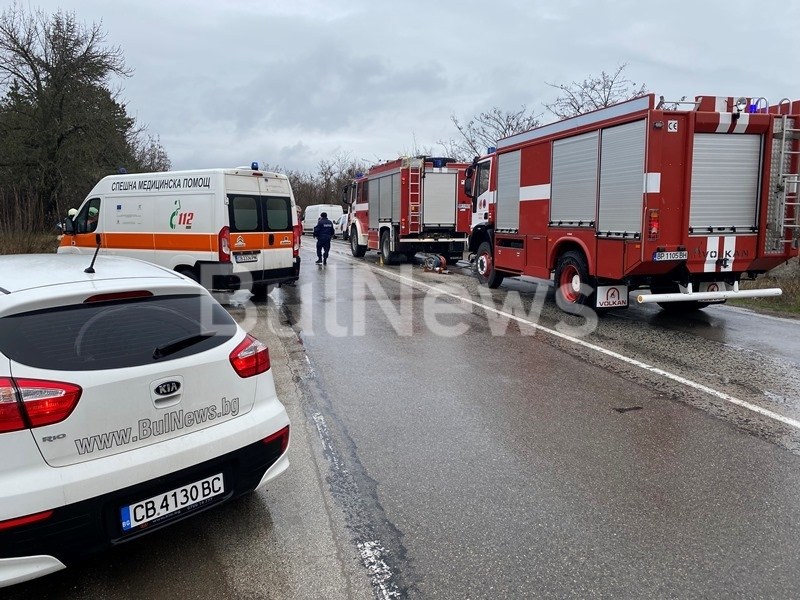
(788, 279)
(27, 242)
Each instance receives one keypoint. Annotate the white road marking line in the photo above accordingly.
(621, 357)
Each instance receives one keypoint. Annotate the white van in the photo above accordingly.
(315, 210)
(226, 228)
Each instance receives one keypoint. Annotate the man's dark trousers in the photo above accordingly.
(323, 231)
(323, 248)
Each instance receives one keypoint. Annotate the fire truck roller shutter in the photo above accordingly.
(725, 181)
(573, 192)
(396, 198)
(385, 191)
(374, 193)
(622, 178)
(508, 168)
(439, 199)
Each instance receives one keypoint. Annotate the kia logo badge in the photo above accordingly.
(167, 388)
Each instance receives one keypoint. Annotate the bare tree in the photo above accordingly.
(483, 130)
(594, 92)
(326, 185)
(150, 154)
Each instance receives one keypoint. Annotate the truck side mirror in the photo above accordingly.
(469, 182)
(68, 226)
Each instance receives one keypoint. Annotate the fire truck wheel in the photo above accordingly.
(484, 267)
(572, 282)
(679, 307)
(389, 257)
(357, 251)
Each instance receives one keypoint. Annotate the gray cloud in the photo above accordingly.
(225, 83)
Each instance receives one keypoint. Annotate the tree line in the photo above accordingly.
(63, 126)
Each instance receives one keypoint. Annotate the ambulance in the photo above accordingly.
(225, 228)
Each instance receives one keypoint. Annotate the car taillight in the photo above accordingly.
(47, 402)
(10, 414)
(43, 402)
(249, 358)
(26, 520)
(282, 435)
(225, 245)
(118, 296)
(297, 232)
(653, 224)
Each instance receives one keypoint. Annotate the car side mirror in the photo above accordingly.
(68, 226)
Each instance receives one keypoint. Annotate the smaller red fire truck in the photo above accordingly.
(410, 205)
(684, 199)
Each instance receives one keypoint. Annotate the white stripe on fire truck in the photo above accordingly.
(725, 120)
(712, 253)
(741, 123)
(728, 250)
(534, 192)
(361, 206)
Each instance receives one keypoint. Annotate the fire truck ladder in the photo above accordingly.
(789, 182)
(415, 197)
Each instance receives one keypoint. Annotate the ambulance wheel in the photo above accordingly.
(188, 272)
(572, 281)
(484, 267)
(389, 257)
(260, 290)
(357, 250)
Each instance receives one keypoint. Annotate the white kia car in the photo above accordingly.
(129, 399)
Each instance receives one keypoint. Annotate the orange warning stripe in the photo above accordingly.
(181, 242)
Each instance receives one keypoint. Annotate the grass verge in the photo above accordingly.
(26, 242)
(788, 279)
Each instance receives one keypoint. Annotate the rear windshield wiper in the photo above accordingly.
(181, 343)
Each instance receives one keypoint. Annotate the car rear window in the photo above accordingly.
(116, 334)
(259, 213)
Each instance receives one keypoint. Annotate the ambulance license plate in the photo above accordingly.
(241, 258)
(678, 255)
(172, 503)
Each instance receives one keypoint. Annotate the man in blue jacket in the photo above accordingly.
(323, 231)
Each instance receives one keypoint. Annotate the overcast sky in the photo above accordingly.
(293, 82)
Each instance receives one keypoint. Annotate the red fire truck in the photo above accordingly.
(410, 205)
(685, 199)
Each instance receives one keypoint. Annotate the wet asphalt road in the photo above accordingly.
(447, 448)
(477, 457)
